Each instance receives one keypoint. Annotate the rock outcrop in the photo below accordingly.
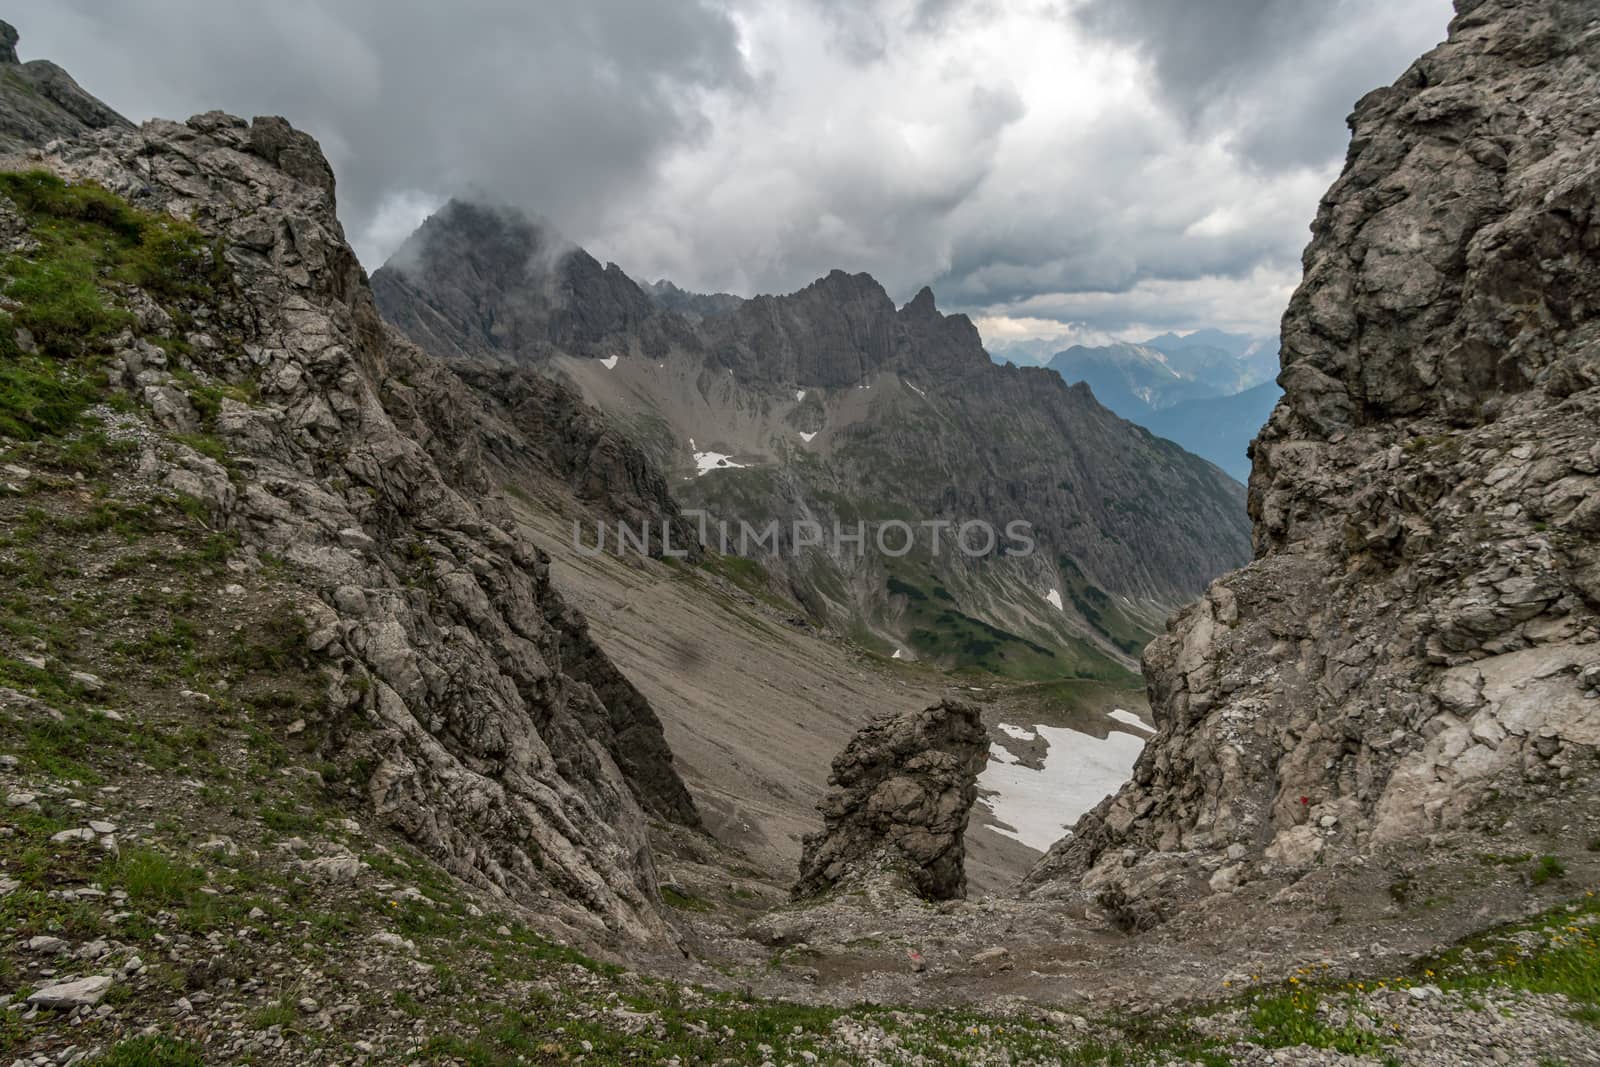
(40, 102)
(903, 788)
(554, 436)
(1416, 640)
(461, 693)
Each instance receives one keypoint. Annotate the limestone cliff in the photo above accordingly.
(1415, 642)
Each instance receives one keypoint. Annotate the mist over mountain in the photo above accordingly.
(691, 306)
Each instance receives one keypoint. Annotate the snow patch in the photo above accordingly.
(1002, 753)
(914, 389)
(609, 362)
(806, 437)
(899, 653)
(799, 395)
(1054, 596)
(1079, 771)
(712, 461)
(1125, 716)
(1021, 733)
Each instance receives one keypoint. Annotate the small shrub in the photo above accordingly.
(38, 397)
(1292, 1019)
(89, 240)
(1549, 867)
(677, 898)
(1400, 889)
(61, 305)
(157, 1051)
(154, 878)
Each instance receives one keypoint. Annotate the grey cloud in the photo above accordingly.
(856, 30)
(1279, 75)
(930, 16)
(561, 107)
(1203, 49)
(640, 129)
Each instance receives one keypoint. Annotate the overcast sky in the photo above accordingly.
(1080, 169)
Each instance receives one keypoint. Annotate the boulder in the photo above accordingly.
(67, 996)
(902, 791)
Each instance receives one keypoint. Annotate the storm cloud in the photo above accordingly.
(1083, 169)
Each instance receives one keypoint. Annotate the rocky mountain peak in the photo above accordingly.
(922, 305)
(40, 102)
(841, 328)
(939, 344)
(491, 238)
(490, 281)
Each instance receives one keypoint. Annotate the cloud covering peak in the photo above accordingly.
(1101, 167)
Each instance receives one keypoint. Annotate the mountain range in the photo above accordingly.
(832, 405)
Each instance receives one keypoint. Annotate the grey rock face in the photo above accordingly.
(40, 102)
(903, 788)
(555, 434)
(461, 690)
(1413, 635)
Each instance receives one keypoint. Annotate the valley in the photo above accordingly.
(328, 737)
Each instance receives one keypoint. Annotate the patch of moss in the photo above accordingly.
(89, 242)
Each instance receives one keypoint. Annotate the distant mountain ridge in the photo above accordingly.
(1136, 379)
(831, 404)
(1127, 378)
(693, 306)
(1209, 390)
(1220, 428)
